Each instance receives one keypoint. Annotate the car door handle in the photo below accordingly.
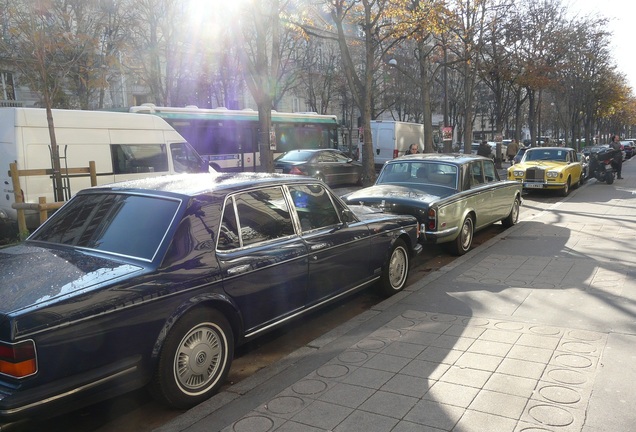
(238, 269)
(318, 246)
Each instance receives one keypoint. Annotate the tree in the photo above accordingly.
(45, 51)
(365, 24)
(468, 27)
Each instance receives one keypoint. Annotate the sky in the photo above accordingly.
(622, 16)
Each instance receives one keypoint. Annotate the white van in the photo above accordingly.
(393, 138)
(124, 146)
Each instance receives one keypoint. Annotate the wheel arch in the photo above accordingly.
(205, 301)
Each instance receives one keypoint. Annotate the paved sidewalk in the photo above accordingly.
(532, 331)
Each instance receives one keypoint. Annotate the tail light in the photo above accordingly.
(396, 153)
(296, 170)
(432, 220)
(18, 360)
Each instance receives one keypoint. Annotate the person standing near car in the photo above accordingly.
(484, 149)
(413, 149)
(618, 156)
(511, 151)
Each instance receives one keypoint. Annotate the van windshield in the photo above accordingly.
(186, 159)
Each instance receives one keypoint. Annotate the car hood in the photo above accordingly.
(398, 194)
(33, 275)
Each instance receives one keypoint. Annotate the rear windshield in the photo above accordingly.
(130, 225)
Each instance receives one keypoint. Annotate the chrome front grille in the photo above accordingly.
(535, 174)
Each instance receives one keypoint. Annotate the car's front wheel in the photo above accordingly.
(195, 359)
(464, 240)
(395, 269)
(566, 189)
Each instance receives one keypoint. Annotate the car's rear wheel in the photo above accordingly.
(513, 217)
(195, 359)
(395, 270)
(464, 240)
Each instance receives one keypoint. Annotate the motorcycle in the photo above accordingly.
(601, 165)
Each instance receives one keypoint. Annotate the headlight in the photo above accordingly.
(518, 173)
(552, 174)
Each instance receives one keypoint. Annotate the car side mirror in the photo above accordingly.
(347, 215)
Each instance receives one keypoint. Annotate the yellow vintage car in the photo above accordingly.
(555, 168)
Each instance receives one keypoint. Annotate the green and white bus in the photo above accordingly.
(228, 139)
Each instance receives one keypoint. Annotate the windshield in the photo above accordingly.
(552, 154)
(186, 159)
(296, 156)
(122, 224)
(419, 172)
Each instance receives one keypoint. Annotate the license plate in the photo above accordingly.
(533, 185)
(278, 170)
(608, 167)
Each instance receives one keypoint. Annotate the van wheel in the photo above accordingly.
(195, 359)
(395, 269)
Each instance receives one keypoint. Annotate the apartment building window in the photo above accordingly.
(7, 91)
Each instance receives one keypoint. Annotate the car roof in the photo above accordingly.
(549, 148)
(196, 184)
(455, 158)
(315, 150)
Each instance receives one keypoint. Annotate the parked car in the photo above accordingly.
(585, 163)
(156, 281)
(589, 149)
(329, 165)
(520, 153)
(628, 149)
(452, 196)
(551, 168)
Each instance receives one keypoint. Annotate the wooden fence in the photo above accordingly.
(42, 206)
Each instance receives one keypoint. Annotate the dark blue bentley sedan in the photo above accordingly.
(154, 283)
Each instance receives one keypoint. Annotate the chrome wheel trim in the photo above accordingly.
(467, 234)
(398, 268)
(515, 211)
(200, 358)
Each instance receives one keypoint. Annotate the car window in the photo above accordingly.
(327, 157)
(490, 174)
(341, 158)
(314, 207)
(547, 154)
(261, 215)
(123, 224)
(476, 174)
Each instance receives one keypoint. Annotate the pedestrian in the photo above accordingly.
(511, 151)
(618, 156)
(484, 149)
(413, 149)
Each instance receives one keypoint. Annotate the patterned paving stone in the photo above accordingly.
(434, 372)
